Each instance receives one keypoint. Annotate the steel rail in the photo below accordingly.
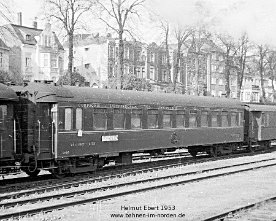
(224, 215)
(113, 195)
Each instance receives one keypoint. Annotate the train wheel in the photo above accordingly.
(212, 152)
(192, 152)
(57, 173)
(31, 169)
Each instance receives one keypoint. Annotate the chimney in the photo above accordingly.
(35, 23)
(19, 18)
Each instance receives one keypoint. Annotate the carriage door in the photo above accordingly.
(256, 125)
(44, 121)
(54, 112)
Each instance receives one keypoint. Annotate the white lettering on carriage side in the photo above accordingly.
(110, 138)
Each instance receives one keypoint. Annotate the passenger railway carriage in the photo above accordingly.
(76, 129)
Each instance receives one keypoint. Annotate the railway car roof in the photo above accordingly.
(51, 93)
(6, 93)
(260, 107)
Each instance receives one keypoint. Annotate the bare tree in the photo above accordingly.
(166, 29)
(271, 61)
(5, 11)
(240, 64)
(68, 13)
(181, 35)
(118, 14)
(229, 52)
(260, 61)
(199, 38)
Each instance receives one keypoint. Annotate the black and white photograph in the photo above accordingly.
(137, 110)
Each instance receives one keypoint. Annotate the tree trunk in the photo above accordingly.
(70, 56)
(176, 69)
(120, 76)
(168, 58)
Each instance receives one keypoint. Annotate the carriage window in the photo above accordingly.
(192, 119)
(167, 119)
(240, 122)
(136, 122)
(234, 119)
(3, 115)
(68, 119)
(100, 119)
(265, 119)
(204, 119)
(214, 120)
(118, 119)
(224, 119)
(180, 119)
(152, 119)
(78, 118)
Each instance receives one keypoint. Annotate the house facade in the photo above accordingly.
(35, 54)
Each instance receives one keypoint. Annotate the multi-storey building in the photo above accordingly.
(35, 53)
(4, 57)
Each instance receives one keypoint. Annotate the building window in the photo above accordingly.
(126, 69)
(221, 81)
(213, 93)
(139, 55)
(68, 119)
(143, 72)
(54, 62)
(213, 68)
(78, 118)
(46, 60)
(247, 96)
(151, 57)
(28, 37)
(111, 52)
(87, 65)
(28, 62)
(152, 73)
(164, 59)
(213, 80)
(165, 76)
(126, 52)
(138, 72)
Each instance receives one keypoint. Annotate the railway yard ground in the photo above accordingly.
(188, 197)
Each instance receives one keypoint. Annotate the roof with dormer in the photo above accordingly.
(20, 33)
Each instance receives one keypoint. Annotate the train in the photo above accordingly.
(70, 129)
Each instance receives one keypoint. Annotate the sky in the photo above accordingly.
(256, 17)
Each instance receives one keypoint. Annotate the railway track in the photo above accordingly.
(262, 210)
(50, 184)
(8, 185)
(62, 200)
